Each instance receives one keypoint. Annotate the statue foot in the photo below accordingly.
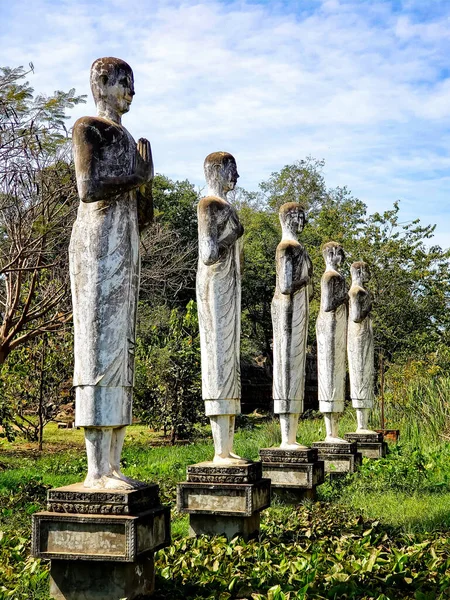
(106, 482)
(335, 440)
(361, 430)
(293, 446)
(231, 458)
(134, 483)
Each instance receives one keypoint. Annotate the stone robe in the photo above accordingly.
(219, 308)
(290, 315)
(360, 350)
(331, 333)
(104, 272)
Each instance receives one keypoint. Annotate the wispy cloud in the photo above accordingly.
(363, 84)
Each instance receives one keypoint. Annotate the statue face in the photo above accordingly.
(117, 93)
(361, 273)
(230, 175)
(334, 256)
(294, 220)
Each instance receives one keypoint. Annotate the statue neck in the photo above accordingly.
(288, 235)
(357, 281)
(107, 112)
(330, 267)
(216, 189)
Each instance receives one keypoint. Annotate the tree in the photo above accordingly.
(168, 380)
(37, 202)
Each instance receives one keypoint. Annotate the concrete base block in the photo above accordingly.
(371, 445)
(81, 580)
(230, 527)
(339, 459)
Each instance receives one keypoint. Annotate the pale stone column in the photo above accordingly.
(331, 330)
(114, 184)
(290, 315)
(360, 346)
(219, 302)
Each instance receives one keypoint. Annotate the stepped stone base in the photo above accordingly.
(101, 542)
(339, 459)
(370, 445)
(294, 474)
(224, 499)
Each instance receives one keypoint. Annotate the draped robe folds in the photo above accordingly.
(360, 360)
(331, 333)
(219, 313)
(104, 272)
(290, 315)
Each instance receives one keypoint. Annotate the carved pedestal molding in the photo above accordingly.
(224, 500)
(371, 445)
(294, 474)
(101, 543)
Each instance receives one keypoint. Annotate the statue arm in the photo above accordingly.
(208, 243)
(285, 272)
(94, 185)
(361, 306)
(145, 193)
(334, 292)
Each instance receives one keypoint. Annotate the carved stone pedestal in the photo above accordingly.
(224, 500)
(339, 459)
(294, 474)
(371, 445)
(101, 542)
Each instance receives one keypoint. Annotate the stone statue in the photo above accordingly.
(114, 184)
(219, 302)
(360, 346)
(290, 315)
(331, 331)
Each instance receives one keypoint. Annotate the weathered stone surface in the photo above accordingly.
(280, 455)
(230, 527)
(114, 185)
(370, 444)
(331, 330)
(219, 301)
(80, 580)
(338, 458)
(99, 537)
(211, 472)
(291, 475)
(223, 499)
(77, 499)
(290, 314)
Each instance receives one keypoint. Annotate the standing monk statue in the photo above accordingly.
(114, 184)
(360, 346)
(219, 302)
(331, 332)
(290, 315)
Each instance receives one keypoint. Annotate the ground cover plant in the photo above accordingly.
(379, 534)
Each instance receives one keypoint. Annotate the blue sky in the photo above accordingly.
(364, 84)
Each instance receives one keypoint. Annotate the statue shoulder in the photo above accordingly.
(358, 293)
(96, 131)
(212, 204)
(289, 249)
(333, 278)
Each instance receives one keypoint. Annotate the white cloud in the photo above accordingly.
(358, 83)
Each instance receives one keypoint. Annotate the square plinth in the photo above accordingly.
(339, 459)
(371, 445)
(80, 580)
(77, 499)
(97, 537)
(224, 499)
(280, 455)
(235, 472)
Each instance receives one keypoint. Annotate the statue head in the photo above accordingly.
(360, 272)
(292, 217)
(221, 171)
(112, 84)
(333, 254)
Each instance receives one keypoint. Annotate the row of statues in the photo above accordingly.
(114, 176)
